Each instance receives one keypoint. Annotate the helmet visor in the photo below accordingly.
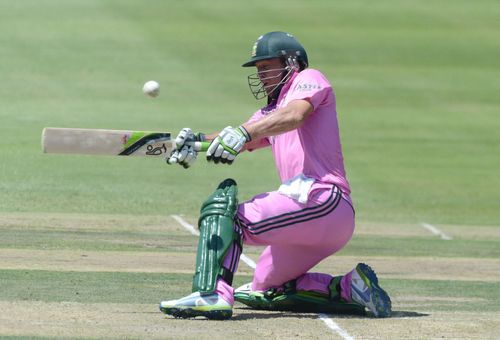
(265, 83)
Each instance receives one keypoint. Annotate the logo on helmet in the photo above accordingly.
(254, 48)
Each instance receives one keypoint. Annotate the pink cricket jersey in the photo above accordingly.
(313, 149)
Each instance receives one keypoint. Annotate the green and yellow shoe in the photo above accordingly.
(211, 306)
(366, 291)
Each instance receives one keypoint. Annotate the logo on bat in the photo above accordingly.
(125, 138)
(152, 151)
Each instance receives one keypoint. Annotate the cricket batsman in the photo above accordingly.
(308, 218)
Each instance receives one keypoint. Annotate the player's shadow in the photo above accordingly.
(394, 315)
(249, 313)
(407, 314)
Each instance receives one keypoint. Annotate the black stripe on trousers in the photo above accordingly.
(308, 217)
(330, 206)
(235, 255)
(299, 214)
(302, 211)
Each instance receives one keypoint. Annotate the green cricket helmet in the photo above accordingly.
(272, 45)
(277, 45)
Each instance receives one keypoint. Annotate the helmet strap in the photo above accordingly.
(292, 62)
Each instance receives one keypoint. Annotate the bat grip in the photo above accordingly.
(197, 146)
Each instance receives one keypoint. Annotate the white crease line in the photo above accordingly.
(436, 231)
(193, 231)
(248, 261)
(333, 326)
(329, 322)
(186, 225)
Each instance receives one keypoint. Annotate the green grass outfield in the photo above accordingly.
(417, 89)
(417, 86)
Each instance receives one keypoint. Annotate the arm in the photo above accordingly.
(227, 144)
(231, 141)
(282, 120)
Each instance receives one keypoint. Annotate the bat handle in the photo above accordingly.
(198, 146)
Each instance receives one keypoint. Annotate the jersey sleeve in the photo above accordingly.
(256, 144)
(310, 85)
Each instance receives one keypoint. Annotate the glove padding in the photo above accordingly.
(227, 145)
(184, 154)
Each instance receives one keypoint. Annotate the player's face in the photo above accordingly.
(270, 73)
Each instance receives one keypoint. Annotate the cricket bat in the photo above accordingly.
(110, 142)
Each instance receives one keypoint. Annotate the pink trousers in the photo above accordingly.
(298, 236)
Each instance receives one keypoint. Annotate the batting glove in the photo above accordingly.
(227, 145)
(184, 153)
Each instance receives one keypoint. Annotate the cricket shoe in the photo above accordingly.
(366, 291)
(211, 306)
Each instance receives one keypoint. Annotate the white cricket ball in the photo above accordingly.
(151, 88)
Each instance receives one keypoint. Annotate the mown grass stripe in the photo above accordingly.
(95, 287)
(176, 240)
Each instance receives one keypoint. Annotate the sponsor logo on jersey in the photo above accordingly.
(307, 87)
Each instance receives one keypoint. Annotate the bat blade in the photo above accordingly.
(106, 142)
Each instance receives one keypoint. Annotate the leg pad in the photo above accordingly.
(289, 299)
(216, 237)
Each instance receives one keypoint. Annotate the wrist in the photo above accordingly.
(245, 133)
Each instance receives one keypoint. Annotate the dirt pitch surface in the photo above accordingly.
(70, 319)
(415, 315)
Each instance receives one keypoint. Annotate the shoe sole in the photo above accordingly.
(186, 313)
(378, 297)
